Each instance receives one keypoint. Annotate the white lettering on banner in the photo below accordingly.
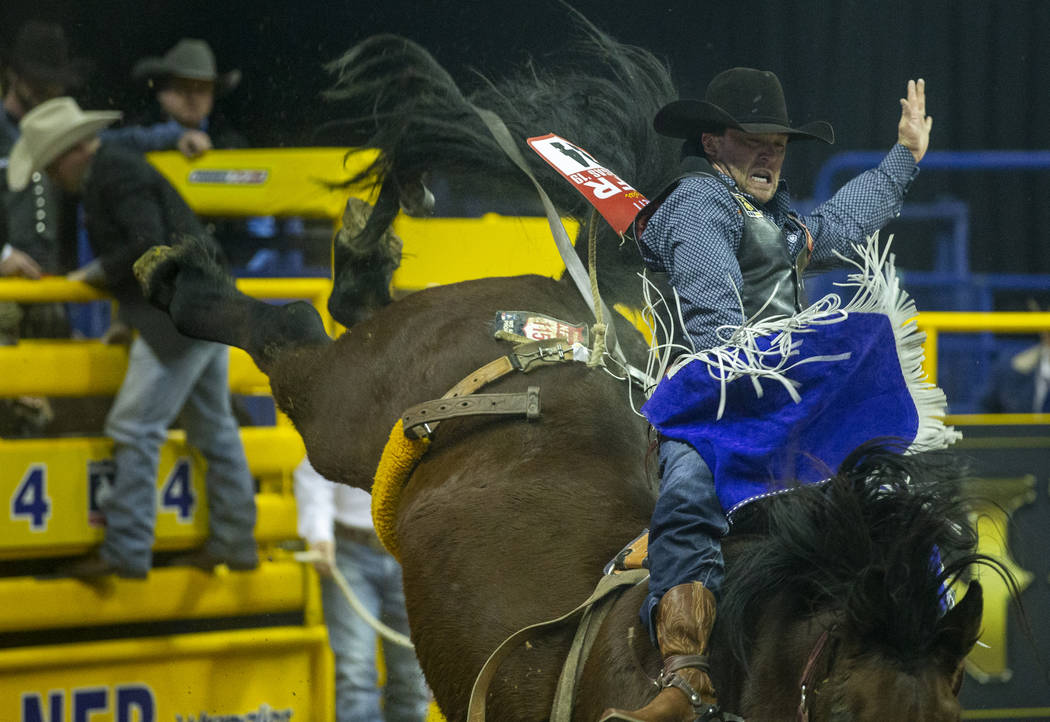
(228, 177)
(613, 197)
(563, 155)
(132, 703)
(603, 188)
(265, 713)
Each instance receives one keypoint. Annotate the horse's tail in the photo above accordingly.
(401, 101)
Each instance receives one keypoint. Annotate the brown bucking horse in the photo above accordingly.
(832, 608)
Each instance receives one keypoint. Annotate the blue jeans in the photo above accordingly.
(154, 390)
(375, 577)
(687, 527)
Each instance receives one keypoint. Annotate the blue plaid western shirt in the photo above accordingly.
(695, 234)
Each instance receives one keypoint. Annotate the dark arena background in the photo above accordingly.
(847, 62)
(974, 235)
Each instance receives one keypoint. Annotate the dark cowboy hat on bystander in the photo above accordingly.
(743, 98)
(40, 55)
(188, 58)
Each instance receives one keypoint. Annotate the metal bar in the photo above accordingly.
(939, 160)
(48, 290)
(174, 593)
(140, 650)
(994, 321)
(929, 363)
(997, 419)
(936, 322)
(92, 368)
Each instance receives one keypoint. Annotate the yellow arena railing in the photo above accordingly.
(89, 367)
(304, 182)
(936, 323)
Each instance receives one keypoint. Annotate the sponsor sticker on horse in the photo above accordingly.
(537, 327)
(613, 197)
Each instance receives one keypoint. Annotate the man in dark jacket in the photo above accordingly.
(129, 207)
(37, 68)
(38, 221)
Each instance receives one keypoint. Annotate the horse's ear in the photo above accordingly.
(958, 630)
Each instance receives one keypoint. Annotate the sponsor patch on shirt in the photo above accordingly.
(747, 206)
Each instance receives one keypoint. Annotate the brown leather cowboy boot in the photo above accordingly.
(684, 620)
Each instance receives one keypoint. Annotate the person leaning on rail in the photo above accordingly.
(130, 207)
(37, 67)
(14, 262)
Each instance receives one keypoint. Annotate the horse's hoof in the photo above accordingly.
(355, 216)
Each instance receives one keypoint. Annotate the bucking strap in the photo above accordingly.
(429, 412)
(421, 420)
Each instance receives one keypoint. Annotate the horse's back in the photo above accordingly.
(345, 397)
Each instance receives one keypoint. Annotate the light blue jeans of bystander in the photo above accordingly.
(155, 390)
(375, 577)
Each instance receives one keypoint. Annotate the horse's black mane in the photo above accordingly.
(603, 96)
(862, 546)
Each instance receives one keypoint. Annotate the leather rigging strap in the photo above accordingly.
(422, 419)
(606, 585)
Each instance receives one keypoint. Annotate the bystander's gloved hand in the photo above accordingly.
(194, 143)
(17, 263)
(325, 565)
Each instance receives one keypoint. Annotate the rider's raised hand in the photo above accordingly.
(913, 130)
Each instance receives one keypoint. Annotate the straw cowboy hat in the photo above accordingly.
(40, 54)
(743, 98)
(189, 58)
(48, 131)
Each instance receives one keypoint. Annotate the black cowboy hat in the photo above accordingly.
(188, 58)
(40, 54)
(743, 98)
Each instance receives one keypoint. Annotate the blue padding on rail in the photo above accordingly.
(939, 160)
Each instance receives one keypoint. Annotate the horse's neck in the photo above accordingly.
(785, 646)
